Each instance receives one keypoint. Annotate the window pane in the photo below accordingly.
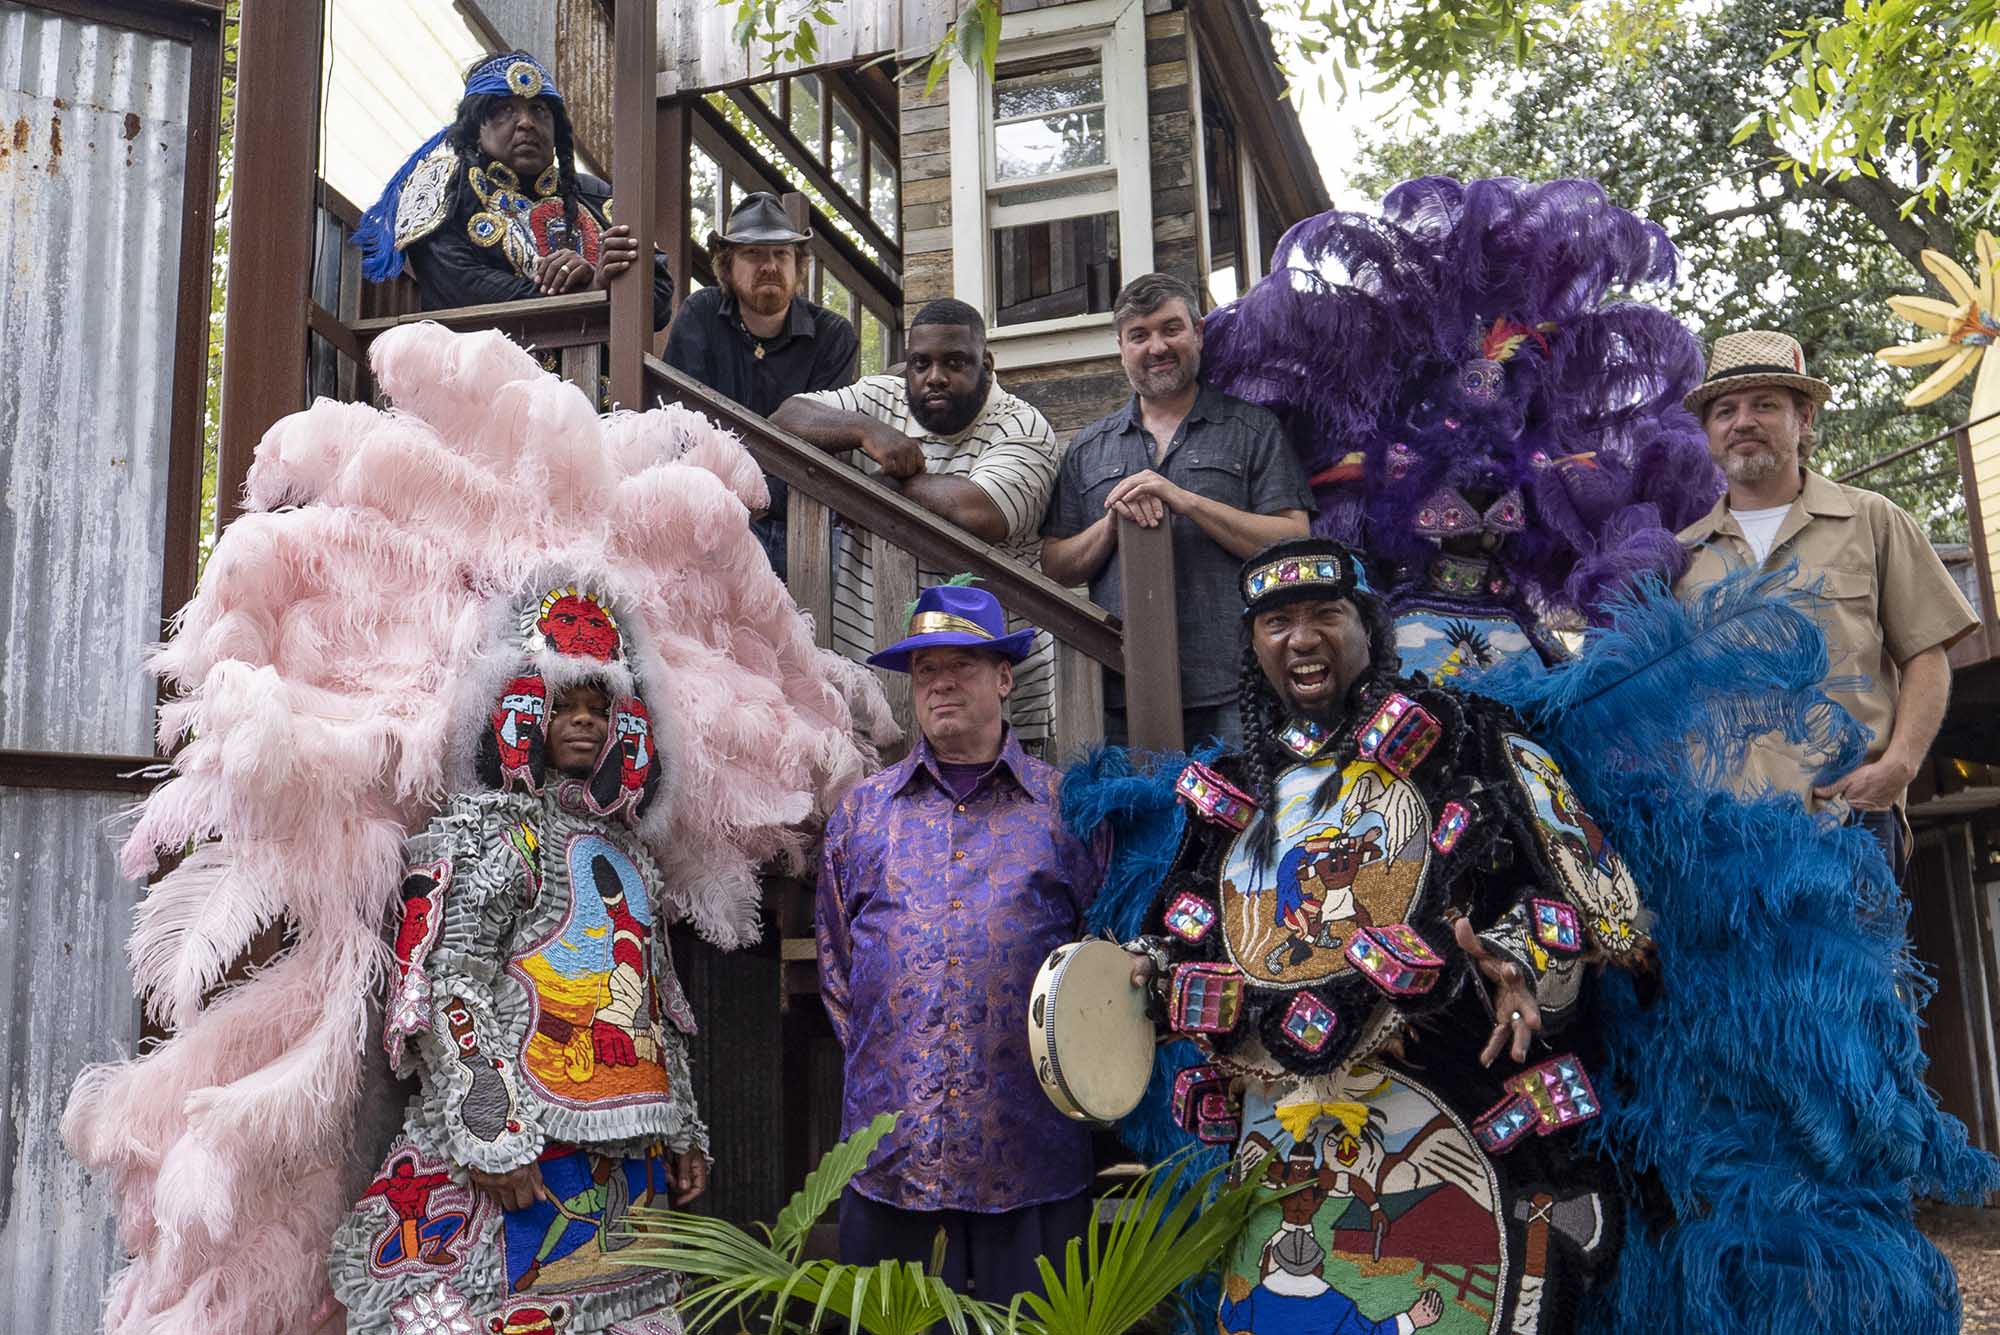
(1051, 144)
(845, 157)
(704, 180)
(882, 187)
(766, 92)
(805, 113)
(1225, 192)
(1054, 83)
(836, 298)
(874, 345)
(1044, 271)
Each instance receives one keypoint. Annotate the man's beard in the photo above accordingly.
(1751, 468)
(762, 300)
(1160, 382)
(957, 414)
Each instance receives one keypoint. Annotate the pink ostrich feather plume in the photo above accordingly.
(326, 681)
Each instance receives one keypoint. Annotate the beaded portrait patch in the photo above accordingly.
(425, 1219)
(1446, 646)
(1590, 869)
(1393, 1208)
(597, 1040)
(1353, 863)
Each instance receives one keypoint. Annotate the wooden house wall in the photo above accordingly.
(583, 72)
(1952, 896)
(1070, 394)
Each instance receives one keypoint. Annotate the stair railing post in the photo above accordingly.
(1152, 637)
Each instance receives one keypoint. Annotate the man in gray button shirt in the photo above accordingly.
(1216, 469)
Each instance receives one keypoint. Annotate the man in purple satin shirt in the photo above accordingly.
(945, 881)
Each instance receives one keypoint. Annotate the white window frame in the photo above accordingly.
(1249, 253)
(1117, 28)
(1251, 243)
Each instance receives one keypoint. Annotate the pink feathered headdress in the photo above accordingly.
(330, 680)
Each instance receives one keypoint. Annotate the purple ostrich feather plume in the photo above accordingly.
(1473, 337)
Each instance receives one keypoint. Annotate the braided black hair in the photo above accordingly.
(1263, 714)
(475, 108)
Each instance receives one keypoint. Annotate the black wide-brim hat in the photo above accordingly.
(758, 220)
(1300, 570)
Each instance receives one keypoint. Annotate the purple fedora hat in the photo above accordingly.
(956, 615)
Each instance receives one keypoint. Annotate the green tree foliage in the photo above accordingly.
(1762, 244)
(1863, 88)
(787, 30)
(1913, 83)
(218, 271)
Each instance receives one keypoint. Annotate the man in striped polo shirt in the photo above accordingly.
(947, 436)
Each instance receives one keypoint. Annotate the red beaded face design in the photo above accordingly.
(576, 624)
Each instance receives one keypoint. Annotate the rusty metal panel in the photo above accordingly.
(67, 1000)
(93, 135)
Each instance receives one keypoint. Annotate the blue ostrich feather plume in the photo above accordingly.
(1773, 1090)
(1105, 794)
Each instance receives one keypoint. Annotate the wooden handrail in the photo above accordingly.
(579, 317)
(1908, 450)
(583, 318)
(860, 500)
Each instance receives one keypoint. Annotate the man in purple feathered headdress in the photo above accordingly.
(1503, 439)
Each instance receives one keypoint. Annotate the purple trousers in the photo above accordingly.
(991, 1256)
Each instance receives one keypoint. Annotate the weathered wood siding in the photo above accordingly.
(698, 50)
(582, 58)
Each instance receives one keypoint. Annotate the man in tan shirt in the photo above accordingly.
(1889, 609)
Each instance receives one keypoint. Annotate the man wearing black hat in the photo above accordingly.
(754, 336)
(492, 208)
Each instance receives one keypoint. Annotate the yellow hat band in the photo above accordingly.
(932, 623)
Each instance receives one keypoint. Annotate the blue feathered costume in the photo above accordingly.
(1505, 441)
(1763, 1098)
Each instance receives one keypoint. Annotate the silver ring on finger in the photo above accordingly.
(1514, 1017)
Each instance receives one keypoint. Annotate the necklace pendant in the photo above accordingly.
(759, 353)
(1304, 738)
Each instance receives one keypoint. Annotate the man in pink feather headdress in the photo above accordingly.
(476, 698)
(540, 1004)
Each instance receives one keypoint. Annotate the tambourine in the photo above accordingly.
(1088, 1033)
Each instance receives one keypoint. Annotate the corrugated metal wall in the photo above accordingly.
(93, 135)
(93, 126)
(68, 1000)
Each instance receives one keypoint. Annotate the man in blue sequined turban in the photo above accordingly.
(492, 207)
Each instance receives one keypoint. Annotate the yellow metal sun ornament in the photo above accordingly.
(1963, 331)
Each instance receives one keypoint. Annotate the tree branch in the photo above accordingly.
(1763, 208)
(1875, 199)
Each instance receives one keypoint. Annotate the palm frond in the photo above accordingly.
(825, 1183)
(1160, 1237)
